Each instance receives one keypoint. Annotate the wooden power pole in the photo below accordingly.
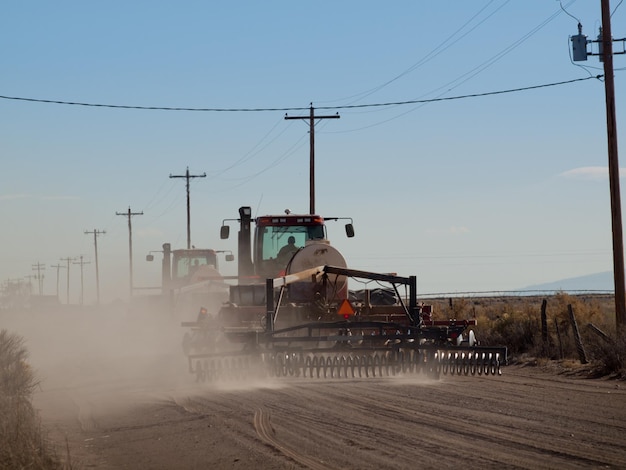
(81, 300)
(130, 214)
(312, 117)
(68, 260)
(39, 267)
(95, 244)
(58, 266)
(605, 53)
(188, 177)
(616, 206)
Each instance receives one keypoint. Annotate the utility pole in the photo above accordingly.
(29, 278)
(129, 214)
(81, 262)
(605, 53)
(68, 260)
(95, 244)
(39, 267)
(312, 117)
(187, 177)
(611, 129)
(58, 266)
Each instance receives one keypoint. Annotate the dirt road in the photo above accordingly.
(120, 407)
(525, 419)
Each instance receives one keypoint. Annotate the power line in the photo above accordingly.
(150, 108)
(424, 102)
(255, 150)
(278, 160)
(250, 110)
(459, 97)
(442, 47)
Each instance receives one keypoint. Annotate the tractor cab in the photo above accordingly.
(185, 263)
(183, 267)
(277, 238)
(260, 254)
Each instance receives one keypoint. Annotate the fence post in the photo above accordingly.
(544, 323)
(579, 344)
(599, 332)
(558, 335)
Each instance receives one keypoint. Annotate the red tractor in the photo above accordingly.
(291, 314)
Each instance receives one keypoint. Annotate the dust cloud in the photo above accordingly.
(105, 357)
(95, 361)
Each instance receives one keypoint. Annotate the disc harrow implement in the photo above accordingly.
(347, 365)
(358, 343)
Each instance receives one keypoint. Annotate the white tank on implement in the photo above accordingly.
(317, 253)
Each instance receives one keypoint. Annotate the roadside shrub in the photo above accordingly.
(562, 342)
(21, 441)
(608, 355)
(517, 330)
(515, 322)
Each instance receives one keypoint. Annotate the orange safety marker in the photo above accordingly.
(345, 309)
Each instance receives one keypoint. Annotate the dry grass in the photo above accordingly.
(22, 439)
(515, 322)
(610, 356)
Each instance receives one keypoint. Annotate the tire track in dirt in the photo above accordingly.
(477, 415)
(443, 424)
(265, 431)
(524, 419)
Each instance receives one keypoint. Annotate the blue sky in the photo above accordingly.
(487, 193)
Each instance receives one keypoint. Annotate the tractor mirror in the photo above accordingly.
(149, 257)
(349, 230)
(230, 257)
(224, 232)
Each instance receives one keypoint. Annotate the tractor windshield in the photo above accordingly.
(185, 263)
(276, 238)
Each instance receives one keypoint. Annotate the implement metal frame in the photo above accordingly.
(411, 333)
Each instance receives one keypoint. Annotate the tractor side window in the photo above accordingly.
(186, 266)
(210, 259)
(182, 267)
(316, 232)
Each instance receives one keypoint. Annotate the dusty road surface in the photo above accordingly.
(116, 393)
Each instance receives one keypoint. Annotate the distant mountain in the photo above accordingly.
(597, 281)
